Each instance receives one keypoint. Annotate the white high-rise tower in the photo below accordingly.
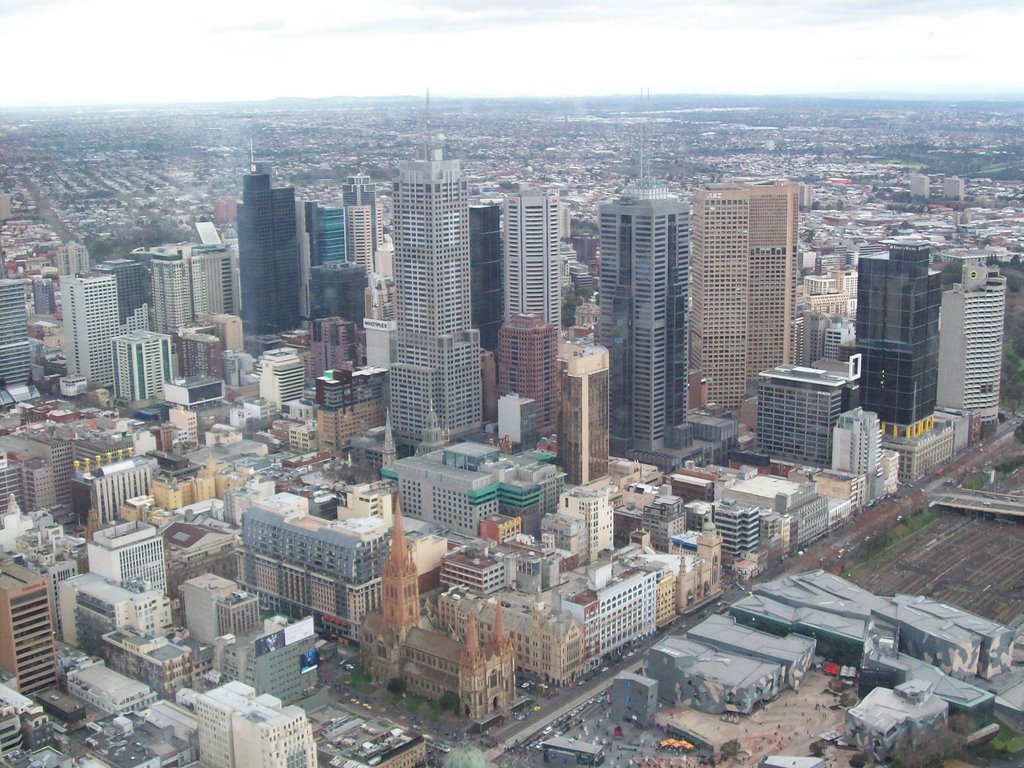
(90, 322)
(532, 274)
(438, 352)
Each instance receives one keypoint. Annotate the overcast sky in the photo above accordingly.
(144, 51)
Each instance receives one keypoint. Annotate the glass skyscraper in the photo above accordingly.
(644, 281)
(898, 300)
(268, 255)
(486, 272)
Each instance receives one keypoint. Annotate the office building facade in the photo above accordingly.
(583, 412)
(797, 409)
(15, 353)
(363, 220)
(487, 272)
(532, 259)
(438, 351)
(744, 284)
(132, 283)
(644, 288)
(26, 631)
(337, 289)
(90, 322)
(971, 343)
(268, 254)
(898, 301)
(527, 365)
(142, 363)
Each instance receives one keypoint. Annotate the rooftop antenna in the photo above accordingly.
(426, 128)
(252, 152)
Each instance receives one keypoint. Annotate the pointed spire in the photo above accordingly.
(499, 637)
(389, 453)
(472, 655)
(399, 549)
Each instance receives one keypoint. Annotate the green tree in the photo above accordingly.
(569, 303)
(396, 685)
(450, 701)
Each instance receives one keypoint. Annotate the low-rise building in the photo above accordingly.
(97, 686)
(889, 720)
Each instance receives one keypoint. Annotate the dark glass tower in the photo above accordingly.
(131, 277)
(487, 293)
(898, 300)
(325, 228)
(645, 263)
(268, 255)
(338, 289)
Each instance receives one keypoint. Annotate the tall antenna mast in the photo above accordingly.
(252, 152)
(426, 128)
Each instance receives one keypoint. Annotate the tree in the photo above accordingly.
(569, 302)
(450, 701)
(730, 748)
(396, 685)
(858, 760)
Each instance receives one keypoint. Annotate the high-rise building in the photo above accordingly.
(363, 217)
(532, 259)
(322, 240)
(15, 353)
(898, 300)
(172, 290)
(644, 285)
(583, 415)
(487, 271)
(44, 296)
(26, 631)
(337, 289)
(971, 343)
(215, 267)
(798, 407)
(238, 729)
(131, 277)
(282, 376)
(129, 553)
(72, 259)
(744, 284)
(920, 185)
(953, 188)
(268, 255)
(857, 448)
(593, 506)
(437, 350)
(527, 366)
(142, 363)
(332, 345)
(90, 322)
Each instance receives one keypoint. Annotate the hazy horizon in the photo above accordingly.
(113, 52)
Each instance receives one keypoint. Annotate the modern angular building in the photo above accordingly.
(527, 365)
(644, 287)
(363, 221)
(971, 343)
(322, 240)
(898, 300)
(532, 259)
(438, 351)
(744, 284)
(583, 414)
(487, 272)
(797, 409)
(268, 254)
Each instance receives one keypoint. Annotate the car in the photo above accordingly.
(536, 709)
(547, 730)
(604, 669)
(524, 686)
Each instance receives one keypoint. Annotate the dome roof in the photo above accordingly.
(465, 756)
(709, 527)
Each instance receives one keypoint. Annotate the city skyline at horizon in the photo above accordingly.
(253, 53)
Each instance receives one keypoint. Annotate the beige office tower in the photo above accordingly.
(743, 284)
(26, 633)
(583, 414)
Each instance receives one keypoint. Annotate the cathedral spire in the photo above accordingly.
(472, 656)
(389, 455)
(399, 580)
(500, 640)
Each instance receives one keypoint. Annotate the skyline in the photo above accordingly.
(106, 54)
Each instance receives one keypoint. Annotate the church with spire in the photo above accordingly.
(398, 641)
